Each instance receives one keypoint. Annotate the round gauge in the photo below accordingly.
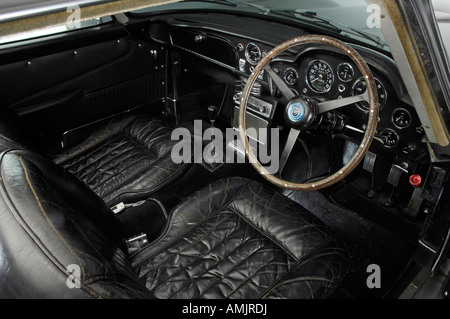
(345, 72)
(253, 54)
(290, 76)
(360, 87)
(391, 138)
(401, 118)
(319, 76)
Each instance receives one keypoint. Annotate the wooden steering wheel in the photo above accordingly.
(300, 112)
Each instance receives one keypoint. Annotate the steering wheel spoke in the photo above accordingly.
(336, 104)
(292, 138)
(285, 90)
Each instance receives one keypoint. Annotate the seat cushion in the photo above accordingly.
(52, 224)
(239, 239)
(125, 161)
(233, 239)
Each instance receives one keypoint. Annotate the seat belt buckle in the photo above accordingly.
(136, 243)
(118, 208)
(121, 206)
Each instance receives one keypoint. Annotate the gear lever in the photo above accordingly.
(212, 112)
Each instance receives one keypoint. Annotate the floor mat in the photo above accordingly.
(368, 244)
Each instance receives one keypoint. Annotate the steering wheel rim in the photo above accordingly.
(368, 135)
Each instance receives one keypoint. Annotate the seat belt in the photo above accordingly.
(121, 206)
(136, 243)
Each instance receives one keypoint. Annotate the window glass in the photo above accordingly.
(54, 30)
(442, 12)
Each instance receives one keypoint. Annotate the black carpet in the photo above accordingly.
(368, 243)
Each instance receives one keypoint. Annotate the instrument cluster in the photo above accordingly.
(326, 75)
(331, 79)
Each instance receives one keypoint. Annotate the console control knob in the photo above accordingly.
(415, 180)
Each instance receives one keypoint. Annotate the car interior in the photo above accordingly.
(87, 174)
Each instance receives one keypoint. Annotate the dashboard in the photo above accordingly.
(325, 74)
(312, 70)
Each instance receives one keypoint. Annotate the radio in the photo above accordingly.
(256, 105)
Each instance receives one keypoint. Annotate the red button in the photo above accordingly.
(415, 180)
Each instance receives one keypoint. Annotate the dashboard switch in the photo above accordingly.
(415, 180)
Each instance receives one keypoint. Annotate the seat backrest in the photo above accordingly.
(57, 238)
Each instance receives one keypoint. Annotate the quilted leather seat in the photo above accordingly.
(124, 161)
(232, 239)
(238, 239)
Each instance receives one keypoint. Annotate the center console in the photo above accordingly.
(259, 114)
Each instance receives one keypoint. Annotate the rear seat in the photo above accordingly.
(125, 161)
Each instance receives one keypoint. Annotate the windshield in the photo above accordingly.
(351, 18)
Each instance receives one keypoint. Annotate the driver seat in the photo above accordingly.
(233, 239)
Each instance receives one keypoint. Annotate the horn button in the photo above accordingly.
(300, 113)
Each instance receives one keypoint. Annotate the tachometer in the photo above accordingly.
(319, 76)
(253, 54)
(360, 87)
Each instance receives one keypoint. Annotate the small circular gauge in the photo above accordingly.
(360, 87)
(345, 72)
(401, 118)
(290, 76)
(319, 76)
(391, 138)
(253, 54)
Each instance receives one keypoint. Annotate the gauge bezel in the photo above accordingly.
(285, 79)
(247, 54)
(351, 67)
(404, 110)
(382, 103)
(307, 76)
(396, 135)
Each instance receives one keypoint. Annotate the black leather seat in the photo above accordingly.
(232, 239)
(124, 161)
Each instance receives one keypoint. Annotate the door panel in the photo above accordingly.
(62, 90)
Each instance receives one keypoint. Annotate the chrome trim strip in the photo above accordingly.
(32, 9)
(427, 247)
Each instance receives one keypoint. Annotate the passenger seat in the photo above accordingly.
(124, 161)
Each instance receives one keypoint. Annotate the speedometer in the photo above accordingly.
(319, 76)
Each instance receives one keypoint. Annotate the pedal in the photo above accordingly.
(394, 179)
(369, 162)
(369, 166)
(395, 174)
